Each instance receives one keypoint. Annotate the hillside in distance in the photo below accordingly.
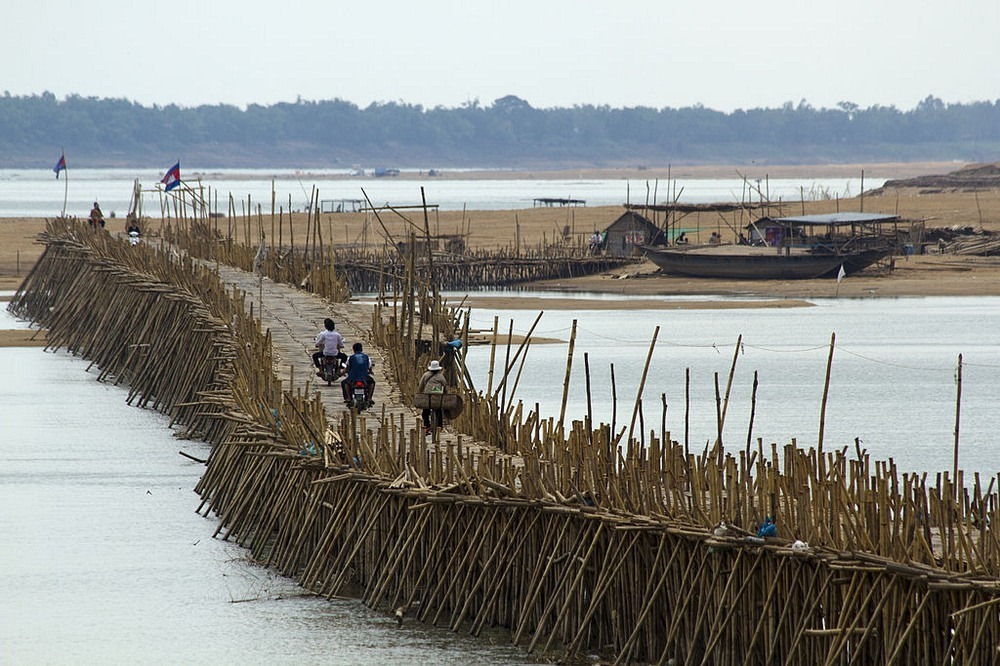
(509, 133)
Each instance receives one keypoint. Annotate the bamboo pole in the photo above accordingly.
(958, 414)
(569, 368)
(642, 381)
(826, 392)
(753, 411)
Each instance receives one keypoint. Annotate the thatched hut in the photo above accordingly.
(625, 236)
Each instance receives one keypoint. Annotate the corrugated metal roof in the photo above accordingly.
(836, 218)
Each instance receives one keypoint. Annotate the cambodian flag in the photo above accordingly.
(60, 165)
(172, 178)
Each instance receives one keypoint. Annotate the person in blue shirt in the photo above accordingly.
(359, 368)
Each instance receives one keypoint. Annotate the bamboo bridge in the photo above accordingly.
(368, 272)
(578, 540)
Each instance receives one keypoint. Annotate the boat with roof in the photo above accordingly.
(788, 248)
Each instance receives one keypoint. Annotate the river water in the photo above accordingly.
(37, 193)
(104, 560)
(893, 380)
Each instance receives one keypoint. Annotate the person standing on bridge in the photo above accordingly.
(96, 217)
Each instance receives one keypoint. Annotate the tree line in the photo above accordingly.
(508, 133)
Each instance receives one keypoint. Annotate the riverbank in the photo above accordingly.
(23, 338)
(925, 275)
(491, 230)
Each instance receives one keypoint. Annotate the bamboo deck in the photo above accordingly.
(579, 540)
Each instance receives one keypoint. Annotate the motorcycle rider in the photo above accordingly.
(132, 230)
(328, 343)
(359, 369)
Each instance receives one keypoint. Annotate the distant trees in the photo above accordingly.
(507, 133)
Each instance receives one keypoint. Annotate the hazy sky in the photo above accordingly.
(656, 53)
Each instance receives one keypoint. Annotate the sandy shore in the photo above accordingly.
(922, 275)
(22, 338)
(582, 303)
(927, 275)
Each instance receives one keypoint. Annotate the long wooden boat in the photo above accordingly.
(788, 248)
(745, 262)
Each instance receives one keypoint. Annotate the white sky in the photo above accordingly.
(658, 53)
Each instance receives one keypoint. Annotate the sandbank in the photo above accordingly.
(490, 230)
(582, 303)
(22, 338)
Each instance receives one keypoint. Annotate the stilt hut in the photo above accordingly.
(628, 233)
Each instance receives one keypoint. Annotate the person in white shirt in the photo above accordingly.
(329, 343)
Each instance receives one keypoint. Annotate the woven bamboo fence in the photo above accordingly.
(575, 537)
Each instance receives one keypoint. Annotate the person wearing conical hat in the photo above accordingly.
(432, 381)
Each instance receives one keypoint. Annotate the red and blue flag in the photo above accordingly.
(172, 178)
(60, 165)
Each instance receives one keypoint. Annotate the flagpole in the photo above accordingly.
(65, 184)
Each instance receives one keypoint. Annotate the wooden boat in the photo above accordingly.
(745, 262)
(789, 248)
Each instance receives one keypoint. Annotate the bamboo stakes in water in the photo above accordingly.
(826, 392)
(336, 522)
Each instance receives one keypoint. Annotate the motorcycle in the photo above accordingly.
(359, 396)
(133, 238)
(331, 369)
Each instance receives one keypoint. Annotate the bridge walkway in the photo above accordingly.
(294, 317)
